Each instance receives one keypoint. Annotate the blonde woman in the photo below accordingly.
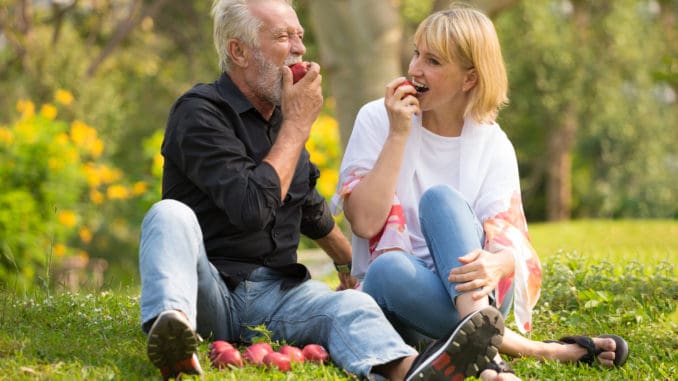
(430, 185)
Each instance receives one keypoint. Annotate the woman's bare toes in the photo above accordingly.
(606, 358)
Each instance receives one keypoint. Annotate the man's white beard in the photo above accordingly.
(268, 84)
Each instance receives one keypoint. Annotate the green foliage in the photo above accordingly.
(623, 296)
(595, 62)
(55, 181)
(65, 336)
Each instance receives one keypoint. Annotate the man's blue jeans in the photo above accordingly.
(176, 274)
(417, 300)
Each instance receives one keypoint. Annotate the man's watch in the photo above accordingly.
(343, 269)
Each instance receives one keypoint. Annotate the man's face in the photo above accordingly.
(280, 43)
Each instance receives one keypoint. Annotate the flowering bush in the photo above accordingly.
(54, 183)
(324, 147)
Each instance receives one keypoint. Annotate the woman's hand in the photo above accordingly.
(481, 271)
(401, 104)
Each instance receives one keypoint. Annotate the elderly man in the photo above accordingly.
(218, 253)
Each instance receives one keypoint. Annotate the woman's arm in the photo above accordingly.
(368, 205)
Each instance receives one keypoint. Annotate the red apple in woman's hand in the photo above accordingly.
(256, 352)
(278, 360)
(227, 357)
(292, 352)
(299, 70)
(405, 82)
(315, 352)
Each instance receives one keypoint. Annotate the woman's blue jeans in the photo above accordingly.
(176, 274)
(417, 300)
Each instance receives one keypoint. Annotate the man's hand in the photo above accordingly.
(302, 101)
(346, 281)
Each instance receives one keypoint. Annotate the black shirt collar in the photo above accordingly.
(234, 97)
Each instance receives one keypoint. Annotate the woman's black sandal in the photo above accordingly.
(621, 352)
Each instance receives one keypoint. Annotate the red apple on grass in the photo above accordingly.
(256, 352)
(220, 346)
(299, 70)
(278, 360)
(315, 352)
(294, 353)
(228, 357)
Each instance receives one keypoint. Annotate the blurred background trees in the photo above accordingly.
(593, 113)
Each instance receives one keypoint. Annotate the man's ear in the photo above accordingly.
(470, 80)
(237, 52)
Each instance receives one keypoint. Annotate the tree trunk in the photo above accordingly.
(359, 45)
(559, 169)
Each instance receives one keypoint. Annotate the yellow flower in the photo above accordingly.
(48, 111)
(26, 131)
(96, 197)
(96, 148)
(63, 96)
(158, 162)
(62, 139)
(117, 192)
(85, 137)
(55, 163)
(109, 175)
(67, 218)
(59, 250)
(139, 188)
(26, 108)
(85, 235)
(6, 136)
(327, 182)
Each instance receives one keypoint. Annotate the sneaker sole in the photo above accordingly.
(472, 345)
(172, 345)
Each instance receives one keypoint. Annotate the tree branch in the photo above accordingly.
(123, 30)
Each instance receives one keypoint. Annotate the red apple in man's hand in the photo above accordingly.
(315, 352)
(278, 360)
(228, 357)
(299, 70)
(256, 352)
(293, 352)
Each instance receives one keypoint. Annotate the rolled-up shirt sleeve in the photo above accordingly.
(316, 219)
(202, 142)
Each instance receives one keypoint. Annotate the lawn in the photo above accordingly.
(599, 277)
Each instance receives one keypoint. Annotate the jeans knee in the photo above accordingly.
(166, 211)
(388, 273)
(440, 195)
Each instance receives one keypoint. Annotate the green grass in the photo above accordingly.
(599, 277)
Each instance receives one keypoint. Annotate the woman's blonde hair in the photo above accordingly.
(465, 35)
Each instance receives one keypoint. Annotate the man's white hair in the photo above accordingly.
(233, 19)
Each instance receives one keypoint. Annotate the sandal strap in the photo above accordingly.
(499, 366)
(586, 343)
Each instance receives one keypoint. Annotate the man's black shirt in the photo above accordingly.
(213, 149)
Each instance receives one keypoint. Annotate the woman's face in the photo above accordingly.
(447, 82)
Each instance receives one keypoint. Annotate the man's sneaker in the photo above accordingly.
(172, 345)
(466, 351)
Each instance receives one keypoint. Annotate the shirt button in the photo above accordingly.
(275, 234)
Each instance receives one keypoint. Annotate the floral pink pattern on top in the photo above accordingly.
(505, 231)
(508, 231)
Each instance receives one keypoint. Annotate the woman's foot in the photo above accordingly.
(573, 352)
